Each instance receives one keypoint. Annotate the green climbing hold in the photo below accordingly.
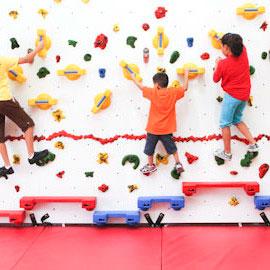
(251, 70)
(87, 57)
(247, 160)
(175, 174)
(131, 41)
(219, 161)
(89, 174)
(219, 99)
(43, 72)
(30, 50)
(131, 159)
(14, 43)
(174, 56)
(264, 55)
(72, 42)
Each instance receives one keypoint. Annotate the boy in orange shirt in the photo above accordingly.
(162, 118)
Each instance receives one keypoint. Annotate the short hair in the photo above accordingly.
(234, 42)
(161, 79)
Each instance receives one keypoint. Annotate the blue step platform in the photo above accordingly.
(261, 202)
(102, 217)
(176, 202)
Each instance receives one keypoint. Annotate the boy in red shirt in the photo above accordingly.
(233, 71)
(162, 118)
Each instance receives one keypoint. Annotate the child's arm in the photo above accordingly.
(29, 58)
(217, 71)
(139, 84)
(185, 85)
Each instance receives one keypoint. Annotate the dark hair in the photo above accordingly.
(234, 42)
(161, 79)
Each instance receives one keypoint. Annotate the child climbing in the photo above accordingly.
(9, 107)
(162, 118)
(233, 71)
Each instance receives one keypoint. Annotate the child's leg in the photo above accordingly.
(3, 148)
(150, 160)
(242, 127)
(29, 139)
(4, 154)
(226, 135)
(176, 157)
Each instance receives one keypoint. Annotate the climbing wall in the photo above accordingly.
(119, 129)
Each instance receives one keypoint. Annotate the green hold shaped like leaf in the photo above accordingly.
(175, 174)
(247, 160)
(131, 41)
(14, 43)
(219, 161)
(174, 56)
(43, 72)
(131, 159)
(72, 42)
(89, 174)
(251, 70)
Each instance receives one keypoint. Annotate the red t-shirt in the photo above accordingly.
(234, 75)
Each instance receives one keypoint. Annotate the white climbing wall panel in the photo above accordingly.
(197, 113)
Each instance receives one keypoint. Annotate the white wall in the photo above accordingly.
(197, 113)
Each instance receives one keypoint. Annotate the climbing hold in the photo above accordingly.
(14, 14)
(161, 70)
(87, 57)
(219, 161)
(102, 101)
(190, 41)
(252, 70)
(216, 39)
(41, 36)
(101, 41)
(17, 188)
(233, 201)
(160, 12)
(131, 159)
(174, 56)
(15, 73)
(247, 160)
(116, 27)
(133, 187)
(58, 115)
(103, 188)
(175, 84)
(164, 159)
(60, 174)
(42, 101)
(194, 71)
(89, 174)
(59, 145)
(145, 26)
(145, 55)
(72, 42)
(58, 1)
(29, 50)
(263, 169)
(264, 26)
(160, 41)
(72, 72)
(43, 72)
(250, 11)
(219, 99)
(16, 159)
(102, 72)
(85, 1)
(130, 69)
(14, 43)
(205, 56)
(131, 41)
(264, 55)
(191, 158)
(233, 172)
(103, 158)
(175, 174)
(57, 58)
(250, 101)
(43, 12)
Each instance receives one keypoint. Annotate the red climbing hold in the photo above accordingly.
(60, 174)
(191, 158)
(160, 12)
(205, 56)
(233, 172)
(264, 26)
(17, 188)
(145, 26)
(263, 169)
(103, 188)
(58, 58)
(101, 41)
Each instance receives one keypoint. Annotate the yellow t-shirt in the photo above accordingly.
(5, 64)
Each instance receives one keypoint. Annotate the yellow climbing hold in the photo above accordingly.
(215, 38)
(103, 158)
(162, 159)
(250, 11)
(116, 27)
(160, 41)
(102, 101)
(42, 101)
(194, 70)
(59, 145)
(14, 14)
(233, 201)
(43, 12)
(72, 72)
(175, 84)
(15, 73)
(42, 36)
(58, 115)
(129, 70)
(16, 159)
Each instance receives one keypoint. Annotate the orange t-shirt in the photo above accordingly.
(162, 116)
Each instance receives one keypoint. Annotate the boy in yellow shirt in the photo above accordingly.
(9, 107)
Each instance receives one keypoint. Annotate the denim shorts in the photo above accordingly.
(231, 111)
(152, 140)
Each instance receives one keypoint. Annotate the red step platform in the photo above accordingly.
(15, 216)
(28, 203)
(251, 188)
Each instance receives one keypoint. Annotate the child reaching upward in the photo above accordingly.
(233, 71)
(162, 118)
(9, 107)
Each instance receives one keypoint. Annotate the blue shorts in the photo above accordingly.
(231, 111)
